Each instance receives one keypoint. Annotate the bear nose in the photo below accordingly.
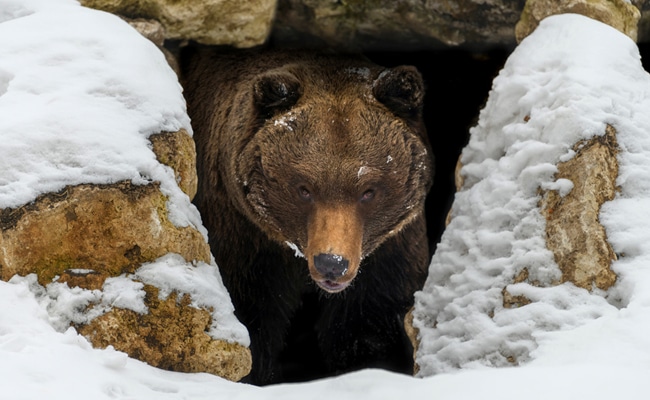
(331, 266)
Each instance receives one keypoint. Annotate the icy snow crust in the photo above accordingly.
(600, 358)
(561, 85)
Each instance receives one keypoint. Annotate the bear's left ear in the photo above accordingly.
(276, 90)
(401, 89)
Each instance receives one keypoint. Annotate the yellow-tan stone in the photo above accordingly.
(111, 229)
(573, 231)
(616, 13)
(172, 335)
(216, 22)
(177, 150)
(86, 233)
(412, 333)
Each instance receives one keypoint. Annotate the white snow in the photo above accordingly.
(562, 186)
(363, 170)
(80, 92)
(286, 121)
(295, 249)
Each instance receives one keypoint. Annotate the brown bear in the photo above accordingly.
(313, 171)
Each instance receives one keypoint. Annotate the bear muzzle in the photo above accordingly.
(331, 267)
(334, 247)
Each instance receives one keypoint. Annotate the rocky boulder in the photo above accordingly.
(98, 172)
(376, 25)
(235, 23)
(619, 14)
(402, 25)
(525, 250)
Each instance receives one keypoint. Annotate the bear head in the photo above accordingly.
(334, 162)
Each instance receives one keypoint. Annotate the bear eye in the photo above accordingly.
(304, 193)
(367, 196)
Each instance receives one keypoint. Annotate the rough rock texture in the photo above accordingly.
(172, 335)
(412, 333)
(85, 234)
(235, 23)
(406, 24)
(616, 13)
(459, 180)
(363, 25)
(573, 231)
(644, 22)
(111, 229)
(384, 24)
(177, 150)
(149, 28)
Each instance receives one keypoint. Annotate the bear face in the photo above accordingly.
(334, 170)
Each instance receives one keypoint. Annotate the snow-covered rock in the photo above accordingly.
(504, 279)
(97, 169)
(620, 14)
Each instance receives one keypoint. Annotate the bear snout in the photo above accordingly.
(333, 249)
(331, 266)
(332, 272)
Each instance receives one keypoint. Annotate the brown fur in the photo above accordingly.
(326, 153)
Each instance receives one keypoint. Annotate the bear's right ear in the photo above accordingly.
(275, 91)
(401, 89)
